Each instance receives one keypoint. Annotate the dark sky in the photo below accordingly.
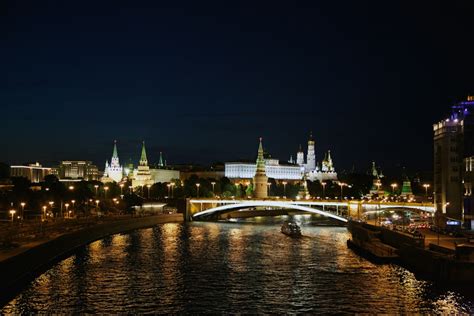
(202, 81)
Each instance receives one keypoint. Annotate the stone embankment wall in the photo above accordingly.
(17, 271)
(437, 266)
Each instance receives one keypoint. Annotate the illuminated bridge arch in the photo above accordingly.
(236, 206)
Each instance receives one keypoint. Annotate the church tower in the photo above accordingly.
(143, 175)
(300, 157)
(406, 188)
(260, 179)
(160, 162)
(114, 171)
(311, 156)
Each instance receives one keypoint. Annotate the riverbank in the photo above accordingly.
(17, 269)
(447, 265)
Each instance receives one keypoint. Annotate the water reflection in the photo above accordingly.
(247, 267)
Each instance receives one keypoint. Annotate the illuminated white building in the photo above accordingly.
(288, 171)
(273, 169)
(113, 171)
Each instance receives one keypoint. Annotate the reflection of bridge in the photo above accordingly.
(335, 209)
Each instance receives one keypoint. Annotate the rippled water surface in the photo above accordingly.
(247, 267)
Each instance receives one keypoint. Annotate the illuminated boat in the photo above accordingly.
(291, 229)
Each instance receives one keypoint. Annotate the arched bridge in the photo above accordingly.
(197, 208)
(278, 204)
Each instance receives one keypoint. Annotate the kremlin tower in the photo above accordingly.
(300, 157)
(260, 178)
(143, 175)
(311, 156)
(114, 171)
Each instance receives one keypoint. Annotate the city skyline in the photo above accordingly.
(175, 76)
(233, 158)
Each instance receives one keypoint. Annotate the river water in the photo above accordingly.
(246, 267)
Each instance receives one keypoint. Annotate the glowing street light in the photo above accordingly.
(148, 190)
(67, 206)
(393, 185)
(172, 188)
(342, 184)
(213, 185)
(71, 188)
(284, 188)
(51, 203)
(426, 186)
(121, 190)
(22, 209)
(96, 189)
(73, 208)
(269, 184)
(169, 189)
(44, 212)
(324, 189)
(105, 192)
(12, 213)
(197, 188)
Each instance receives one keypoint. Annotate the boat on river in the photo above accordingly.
(291, 229)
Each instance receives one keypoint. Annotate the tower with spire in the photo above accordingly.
(406, 188)
(300, 157)
(160, 162)
(114, 170)
(260, 179)
(143, 174)
(311, 155)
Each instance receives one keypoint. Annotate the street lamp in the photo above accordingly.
(12, 213)
(51, 203)
(44, 212)
(66, 205)
(172, 188)
(213, 185)
(169, 189)
(269, 184)
(342, 184)
(97, 206)
(284, 188)
(73, 202)
(71, 188)
(121, 190)
(148, 191)
(393, 185)
(426, 186)
(105, 192)
(22, 209)
(197, 188)
(96, 189)
(324, 189)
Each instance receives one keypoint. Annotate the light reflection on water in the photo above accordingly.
(230, 267)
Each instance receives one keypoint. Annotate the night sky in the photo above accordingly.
(202, 81)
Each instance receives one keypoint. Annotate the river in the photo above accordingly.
(245, 267)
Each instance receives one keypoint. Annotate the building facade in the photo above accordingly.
(164, 175)
(78, 169)
(453, 142)
(33, 172)
(273, 169)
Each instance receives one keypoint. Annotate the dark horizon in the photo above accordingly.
(202, 83)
